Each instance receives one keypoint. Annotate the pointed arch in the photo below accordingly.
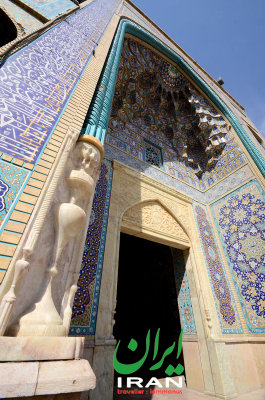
(98, 115)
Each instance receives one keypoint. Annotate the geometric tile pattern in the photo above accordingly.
(86, 298)
(152, 106)
(12, 178)
(183, 293)
(224, 301)
(240, 218)
(37, 81)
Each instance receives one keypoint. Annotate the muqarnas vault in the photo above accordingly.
(131, 198)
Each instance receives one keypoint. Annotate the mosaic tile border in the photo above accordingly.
(101, 254)
(223, 298)
(95, 285)
(184, 299)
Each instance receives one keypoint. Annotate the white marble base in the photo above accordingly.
(36, 348)
(43, 378)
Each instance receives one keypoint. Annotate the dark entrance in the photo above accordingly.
(146, 299)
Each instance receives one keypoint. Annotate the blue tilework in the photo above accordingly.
(225, 306)
(37, 81)
(240, 220)
(87, 295)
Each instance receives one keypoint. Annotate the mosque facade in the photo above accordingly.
(131, 201)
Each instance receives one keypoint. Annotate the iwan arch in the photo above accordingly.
(181, 168)
(156, 216)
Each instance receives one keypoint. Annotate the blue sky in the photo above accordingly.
(227, 38)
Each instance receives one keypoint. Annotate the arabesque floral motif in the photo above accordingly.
(225, 304)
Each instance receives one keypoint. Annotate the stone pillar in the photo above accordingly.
(35, 313)
(70, 219)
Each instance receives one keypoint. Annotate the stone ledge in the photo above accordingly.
(36, 348)
(244, 339)
(18, 379)
(45, 378)
(65, 377)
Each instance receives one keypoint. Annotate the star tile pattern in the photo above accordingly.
(240, 218)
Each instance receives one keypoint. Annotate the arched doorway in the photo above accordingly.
(147, 295)
(141, 208)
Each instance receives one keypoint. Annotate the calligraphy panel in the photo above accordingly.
(37, 81)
